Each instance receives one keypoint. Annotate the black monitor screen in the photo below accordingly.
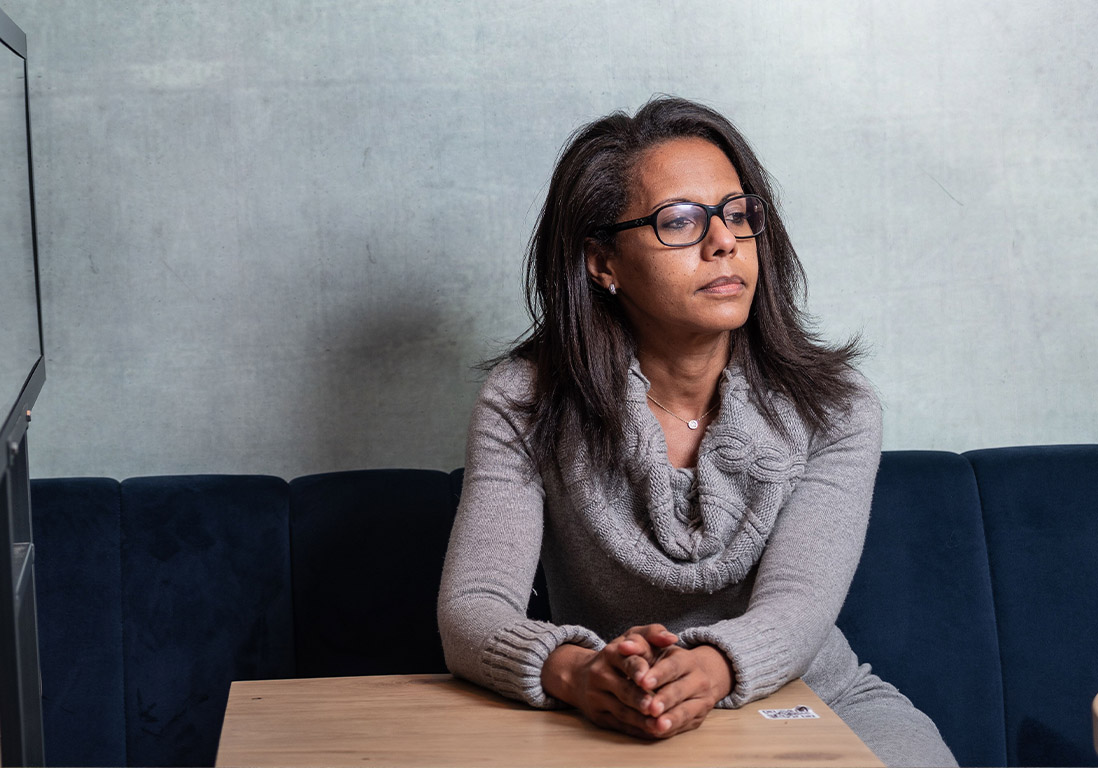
(22, 373)
(20, 340)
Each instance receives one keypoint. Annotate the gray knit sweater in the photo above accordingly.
(752, 551)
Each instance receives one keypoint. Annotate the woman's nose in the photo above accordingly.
(719, 240)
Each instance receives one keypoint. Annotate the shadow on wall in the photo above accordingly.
(385, 381)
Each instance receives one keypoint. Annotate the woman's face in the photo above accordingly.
(699, 290)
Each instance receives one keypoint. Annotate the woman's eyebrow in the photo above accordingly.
(669, 200)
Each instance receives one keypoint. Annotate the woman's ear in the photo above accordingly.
(599, 257)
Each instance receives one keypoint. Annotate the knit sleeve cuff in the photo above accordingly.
(514, 657)
(760, 659)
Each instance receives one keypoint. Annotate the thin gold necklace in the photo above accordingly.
(693, 423)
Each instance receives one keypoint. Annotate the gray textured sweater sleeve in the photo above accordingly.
(809, 561)
(494, 549)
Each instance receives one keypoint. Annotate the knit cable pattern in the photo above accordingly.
(705, 537)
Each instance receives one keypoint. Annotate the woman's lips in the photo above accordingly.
(725, 285)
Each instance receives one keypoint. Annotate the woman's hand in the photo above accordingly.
(682, 686)
(641, 683)
(641, 646)
(601, 683)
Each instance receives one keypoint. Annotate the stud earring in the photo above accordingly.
(613, 290)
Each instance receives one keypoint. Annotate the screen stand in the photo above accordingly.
(20, 681)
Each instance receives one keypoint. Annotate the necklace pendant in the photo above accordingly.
(693, 423)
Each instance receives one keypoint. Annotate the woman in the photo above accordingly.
(691, 465)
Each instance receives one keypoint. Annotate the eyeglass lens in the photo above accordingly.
(685, 223)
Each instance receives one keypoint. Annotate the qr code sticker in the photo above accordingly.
(796, 713)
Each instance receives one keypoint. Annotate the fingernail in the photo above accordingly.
(657, 709)
(650, 682)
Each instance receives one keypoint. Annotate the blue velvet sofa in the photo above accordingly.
(977, 595)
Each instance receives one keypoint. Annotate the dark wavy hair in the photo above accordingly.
(580, 342)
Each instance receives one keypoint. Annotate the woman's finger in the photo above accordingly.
(631, 657)
(635, 646)
(672, 664)
(687, 688)
(612, 673)
(634, 667)
(655, 635)
(687, 716)
(640, 647)
(623, 717)
(699, 674)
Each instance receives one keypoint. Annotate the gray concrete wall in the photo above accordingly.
(275, 236)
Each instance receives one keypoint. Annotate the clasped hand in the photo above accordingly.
(641, 683)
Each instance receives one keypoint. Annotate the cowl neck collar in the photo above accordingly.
(687, 536)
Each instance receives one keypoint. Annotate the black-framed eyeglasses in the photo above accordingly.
(678, 225)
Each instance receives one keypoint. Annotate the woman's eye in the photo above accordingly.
(678, 224)
(735, 217)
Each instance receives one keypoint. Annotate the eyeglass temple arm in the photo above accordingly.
(630, 224)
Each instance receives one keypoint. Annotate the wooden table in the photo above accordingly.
(437, 720)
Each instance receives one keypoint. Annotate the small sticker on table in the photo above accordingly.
(796, 713)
